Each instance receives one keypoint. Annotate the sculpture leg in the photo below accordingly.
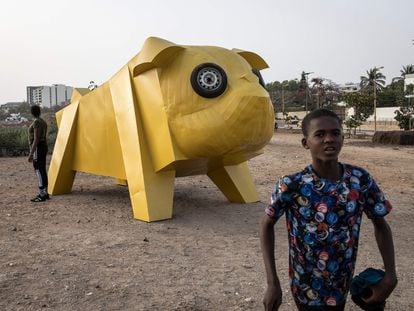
(151, 192)
(60, 174)
(152, 196)
(235, 182)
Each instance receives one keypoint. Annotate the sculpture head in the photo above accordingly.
(214, 98)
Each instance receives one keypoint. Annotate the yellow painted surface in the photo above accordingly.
(146, 126)
(61, 173)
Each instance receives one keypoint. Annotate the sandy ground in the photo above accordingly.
(83, 251)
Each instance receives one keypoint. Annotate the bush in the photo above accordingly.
(394, 137)
(14, 141)
(405, 117)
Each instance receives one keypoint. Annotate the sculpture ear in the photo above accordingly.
(155, 53)
(253, 59)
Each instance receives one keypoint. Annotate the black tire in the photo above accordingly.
(209, 80)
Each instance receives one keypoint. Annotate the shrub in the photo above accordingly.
(394, 137)
(14, 141)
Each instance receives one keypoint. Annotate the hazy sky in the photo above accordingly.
(46, 42)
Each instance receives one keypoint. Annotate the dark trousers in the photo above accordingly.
(39, 164)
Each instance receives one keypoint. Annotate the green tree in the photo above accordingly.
(352, 123)
(363, 108)
(318, 92)
(405, 115)
(303, 91)
(393, 94)
(284, 94)
(405, 118)
(293, 85)
(374, 78)
(325, 93)
(332, 94)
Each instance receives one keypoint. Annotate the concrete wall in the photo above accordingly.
(383, 114)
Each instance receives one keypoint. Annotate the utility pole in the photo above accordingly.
(375, 97)
(307, 91)
(283, 97)
(375, 107)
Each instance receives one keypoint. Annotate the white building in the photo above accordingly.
(49, 96)
(408, 80)
(349, 87)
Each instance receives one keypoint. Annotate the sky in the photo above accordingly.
(47, 42)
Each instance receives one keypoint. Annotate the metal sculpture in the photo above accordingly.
(171, 111)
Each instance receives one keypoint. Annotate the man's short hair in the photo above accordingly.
(317, 114)
(35, 110)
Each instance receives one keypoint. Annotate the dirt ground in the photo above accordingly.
(84, 251)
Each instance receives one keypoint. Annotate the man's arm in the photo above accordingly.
(385, 243)
(35, 143)
(273, 296)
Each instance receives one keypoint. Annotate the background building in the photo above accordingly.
(9, 106)
(409, 81)
(49, 96)
(349, 87)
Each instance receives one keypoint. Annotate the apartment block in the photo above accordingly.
(49, 96)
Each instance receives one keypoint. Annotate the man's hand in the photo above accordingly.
(273, 298)
(383, 236)
(381, 291)
(30, 158)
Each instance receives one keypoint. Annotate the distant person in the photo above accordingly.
(324, 204)
(92, 85)
(38, 152)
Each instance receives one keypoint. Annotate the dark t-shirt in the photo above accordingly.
(323, 219)
(41, 125)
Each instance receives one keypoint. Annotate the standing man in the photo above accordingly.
(38, 152)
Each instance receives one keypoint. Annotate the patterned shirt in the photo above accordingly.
(323, 219)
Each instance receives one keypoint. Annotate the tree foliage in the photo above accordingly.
(14, 141)
(405, 115)
(405, 118)
(392, 95)
(322, 92)
(284, 92)
(325, 93)
(14, 138)
(374, 78)
(362, 105)
(353, 123)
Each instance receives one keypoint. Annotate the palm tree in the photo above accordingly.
(332, 93)
(374, 78)
(319, 88)
(409, 69)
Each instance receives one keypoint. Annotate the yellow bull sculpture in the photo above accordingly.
(171, 111)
